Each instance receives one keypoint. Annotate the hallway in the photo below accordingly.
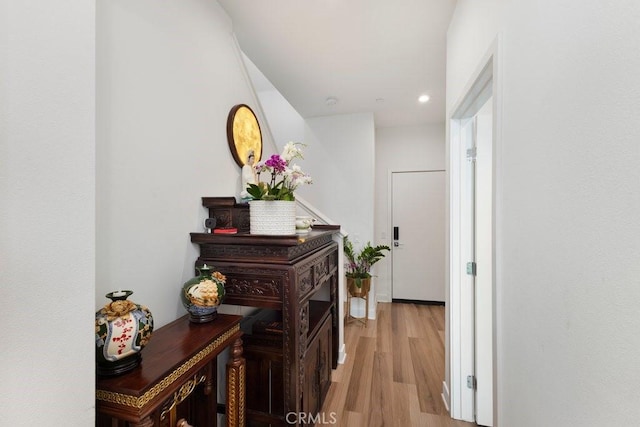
(394, 371)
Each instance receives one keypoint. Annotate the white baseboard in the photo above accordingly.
(446, 396)
(342, 355)
(383, 298)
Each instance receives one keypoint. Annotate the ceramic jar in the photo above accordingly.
(202, 295)
(123, 328)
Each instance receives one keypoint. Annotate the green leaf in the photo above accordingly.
(255, 191)
(359, 263)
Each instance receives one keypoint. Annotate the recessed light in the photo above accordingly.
(331, 101)
(423, 98)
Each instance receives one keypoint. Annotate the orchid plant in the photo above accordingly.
(284, 178)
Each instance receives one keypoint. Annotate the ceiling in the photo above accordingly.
(371, 55)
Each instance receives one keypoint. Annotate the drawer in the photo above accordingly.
(315, 272)
(325, 267)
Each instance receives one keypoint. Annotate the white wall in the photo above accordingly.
(410, 148)
(339, 155)
(168, 74)
(282, 121)
(47, 195)
(473, 28)
(340, 158)
(567, 260)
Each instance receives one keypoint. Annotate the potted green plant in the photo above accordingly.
(358, 266)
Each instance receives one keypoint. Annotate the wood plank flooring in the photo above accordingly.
(394, 371)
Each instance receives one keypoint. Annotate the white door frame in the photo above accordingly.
(459, 314)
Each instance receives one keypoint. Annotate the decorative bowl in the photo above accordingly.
(304, 224)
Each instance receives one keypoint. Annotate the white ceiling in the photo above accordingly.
(372, 55)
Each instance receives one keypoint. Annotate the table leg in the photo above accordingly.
(236, 386)
(366, 310)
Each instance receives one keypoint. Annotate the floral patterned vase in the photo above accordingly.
(202, 295)
(123, 328)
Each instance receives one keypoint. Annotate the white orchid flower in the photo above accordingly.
(292, 150)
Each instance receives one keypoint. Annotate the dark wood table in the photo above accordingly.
(177, 378)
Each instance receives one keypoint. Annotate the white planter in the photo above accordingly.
(274, 217)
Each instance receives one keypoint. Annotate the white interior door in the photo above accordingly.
(467, 167)
(476, 248)
(419, 245)
(484, 261)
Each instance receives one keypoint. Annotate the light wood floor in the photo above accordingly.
(393, 372)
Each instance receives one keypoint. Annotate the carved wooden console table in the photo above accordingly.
(289, 362)
(177, 378)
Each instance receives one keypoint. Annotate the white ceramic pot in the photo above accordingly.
(272, 217)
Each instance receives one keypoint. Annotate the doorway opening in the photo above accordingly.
(472, 207)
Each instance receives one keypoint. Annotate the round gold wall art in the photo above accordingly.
(243, 134)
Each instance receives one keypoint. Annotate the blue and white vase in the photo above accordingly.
(123, 328)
